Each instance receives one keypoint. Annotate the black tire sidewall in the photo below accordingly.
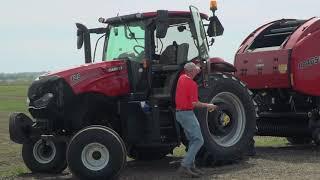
(228, 83)
(57, 165)
(104, 136)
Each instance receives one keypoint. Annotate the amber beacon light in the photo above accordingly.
(213, 5)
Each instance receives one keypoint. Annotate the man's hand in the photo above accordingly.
(211, 107)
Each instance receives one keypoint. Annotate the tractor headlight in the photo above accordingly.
(28, 101)
(43, 101)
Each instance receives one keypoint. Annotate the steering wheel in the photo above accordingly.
(137, 46)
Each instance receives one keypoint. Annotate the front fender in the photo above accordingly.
(217, 64)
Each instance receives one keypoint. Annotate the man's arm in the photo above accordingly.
(198, 104)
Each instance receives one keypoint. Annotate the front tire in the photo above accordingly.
(96, 152)
(228, 131)
(44, 156)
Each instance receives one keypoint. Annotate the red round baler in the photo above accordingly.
(280, 63)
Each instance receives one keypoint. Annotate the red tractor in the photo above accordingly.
(91, 117)
(280, 63)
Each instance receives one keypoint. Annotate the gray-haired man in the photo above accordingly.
(186, 100)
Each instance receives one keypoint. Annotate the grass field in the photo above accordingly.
(13, 99)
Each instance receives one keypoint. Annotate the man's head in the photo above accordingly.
(191, 69)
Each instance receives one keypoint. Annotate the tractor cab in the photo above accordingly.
(154, 46)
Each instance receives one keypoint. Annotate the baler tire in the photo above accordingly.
(299, 140)
(42, 163)
(235, 100)
(96, 152)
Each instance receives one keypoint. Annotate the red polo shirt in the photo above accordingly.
(186, 93)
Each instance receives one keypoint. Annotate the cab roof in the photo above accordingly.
(148, 15)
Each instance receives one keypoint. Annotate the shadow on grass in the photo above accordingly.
(293, 154)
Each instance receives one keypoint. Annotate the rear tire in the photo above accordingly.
(45, 156)
(228, 132)
(96, 152)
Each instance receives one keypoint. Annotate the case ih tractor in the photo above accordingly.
(91, 117)
(280, 63)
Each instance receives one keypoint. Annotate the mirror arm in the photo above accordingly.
(98, 30)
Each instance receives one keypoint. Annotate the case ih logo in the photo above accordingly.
(310, 62)
(113, 69)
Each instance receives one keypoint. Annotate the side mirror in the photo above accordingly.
(79, 40)
(215, 27)
(162, 23)
(83, 35)
(81, 29)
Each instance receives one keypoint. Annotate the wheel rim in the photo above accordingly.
(95, 156)
(229, 121)
(44, 151)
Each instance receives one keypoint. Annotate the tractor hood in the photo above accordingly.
(99, 77)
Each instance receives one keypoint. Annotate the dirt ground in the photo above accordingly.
(274, 160)
(291, 162)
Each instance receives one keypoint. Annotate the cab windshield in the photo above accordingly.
(125, 41)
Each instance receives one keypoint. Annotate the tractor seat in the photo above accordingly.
(176, 56)
(172, 57)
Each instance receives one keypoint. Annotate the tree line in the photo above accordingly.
(23, 76)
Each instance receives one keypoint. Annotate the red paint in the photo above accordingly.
(98, 79)
(217, 64)
(261, 69)
(302, 45)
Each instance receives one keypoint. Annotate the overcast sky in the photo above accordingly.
(40, 35)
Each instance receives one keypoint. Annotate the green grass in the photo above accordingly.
(15, 90)
(12, 99)
(270, 141)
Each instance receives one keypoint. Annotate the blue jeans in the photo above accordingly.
(191, 127)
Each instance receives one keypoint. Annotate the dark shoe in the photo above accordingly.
(187, 172)
(198, 171)
(251, 151)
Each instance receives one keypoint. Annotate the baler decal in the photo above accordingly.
(309, 62)
(283, 68)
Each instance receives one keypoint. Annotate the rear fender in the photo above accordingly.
(217, 64)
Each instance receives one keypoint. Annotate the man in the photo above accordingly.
(186, 100)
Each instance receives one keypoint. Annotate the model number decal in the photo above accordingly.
(309, 62)
(75, 77)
